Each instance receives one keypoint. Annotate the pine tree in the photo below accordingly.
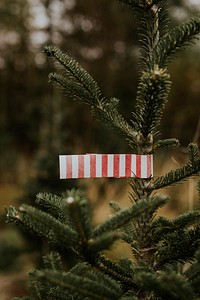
(165, 261)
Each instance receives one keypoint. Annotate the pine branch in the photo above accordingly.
(187, 219)
(164, 144)
(36, 287)
(177, 175)
(113, 269)
(42, 289)
(55, 205)
(153, 90)
(122, 217)
(153, 21)
(176, 40)
(72, 89)
(44, 225)
(163, 17)
(178, 246)
(107, 110)
(82, 285)
(149, 34)
(78, 84)
(193, 154)
(193, 272)
(75, 72)
(53, 261)
(165, 286)
(162, 226)
(80, 214)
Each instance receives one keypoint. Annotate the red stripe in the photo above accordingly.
(149, 171)
(93, 165)
(138, 166)
(104, 165)
(116, 165)
(128, 165)
(68, 166)
(80, 166)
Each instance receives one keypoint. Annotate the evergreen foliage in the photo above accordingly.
(165, 253)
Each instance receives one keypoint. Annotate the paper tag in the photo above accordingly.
(105, 165)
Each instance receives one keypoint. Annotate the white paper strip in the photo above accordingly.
(105, 165)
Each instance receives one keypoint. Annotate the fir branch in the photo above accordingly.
(113, 269)
(37, 288)
(157, 201)
(53, 261)
(165, 285)
(187, 219)
(80, 214)
(140, 188)
(75, 72)
(78, 84)
(175, 40)
(153, 90)
(72, 89)
(193, 154)
(47, 290)
(122, 217)
(193, 272)
(163, 17)
(177, 175)
(44, 225)
(164, 144)
(177, 246)
(162, 226)
(153, 21)
(80, 268)
(149, 34)
(82, 285)
(107, 110)
(55, 205)
(94, 274)
(128, 229)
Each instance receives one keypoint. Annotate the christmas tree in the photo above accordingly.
(165, 253)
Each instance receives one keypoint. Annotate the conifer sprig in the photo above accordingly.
(189, 169)
(177, 246)
(87, 287)
(78, 84)
(56, 205)
(176, 40)
(166, 143)
(125, 215)
(53, 261)
(44, 225)
(153, 90)
(75, 73)
(167, 286)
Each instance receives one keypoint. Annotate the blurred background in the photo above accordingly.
(37, 122)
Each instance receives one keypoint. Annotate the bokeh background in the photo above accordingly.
(37, 122)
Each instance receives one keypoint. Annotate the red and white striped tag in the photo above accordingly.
(105, 165)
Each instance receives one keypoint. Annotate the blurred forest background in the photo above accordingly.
(37, 122)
